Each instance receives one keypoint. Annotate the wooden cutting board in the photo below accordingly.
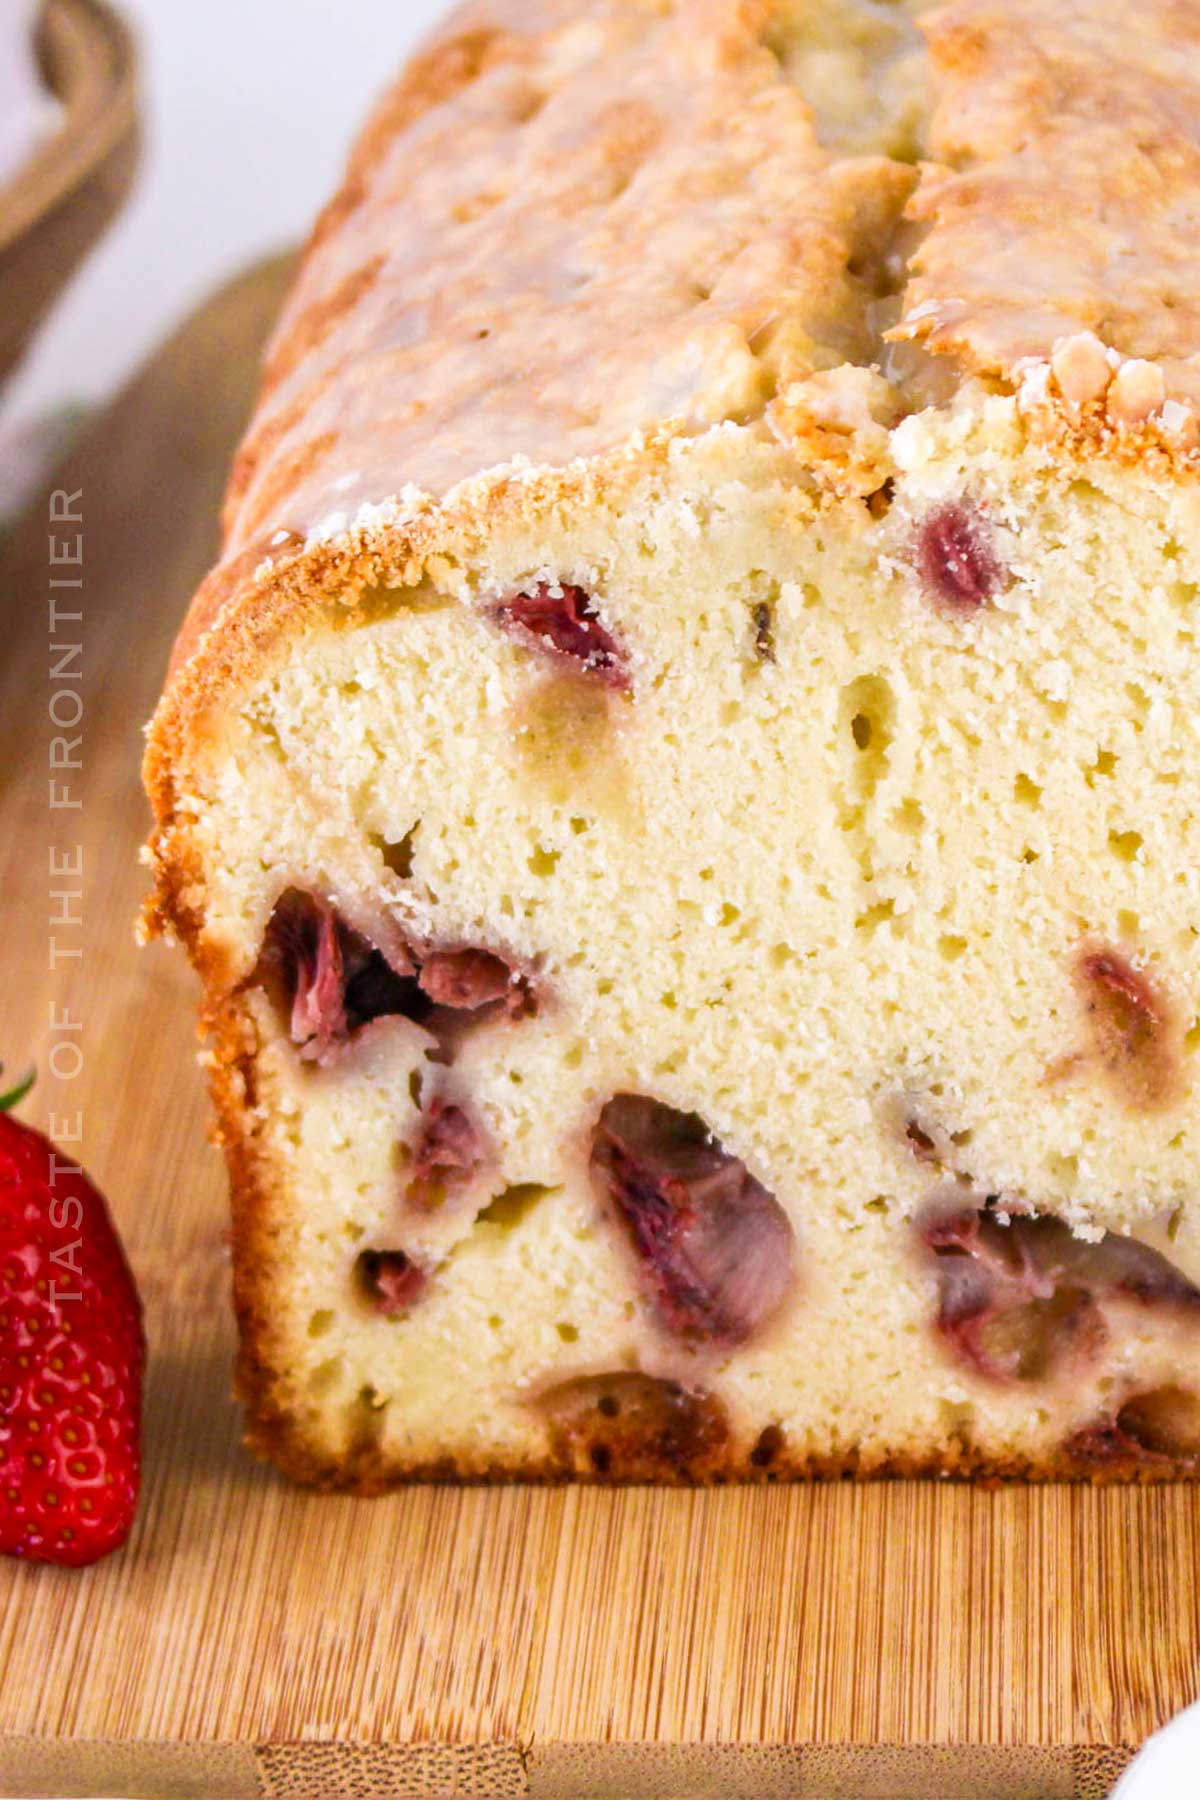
(926, 1640)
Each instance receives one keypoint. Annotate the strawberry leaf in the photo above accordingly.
(15, 1095)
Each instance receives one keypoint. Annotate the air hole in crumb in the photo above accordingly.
(397, 855)
(414, 1087)
(868, 709)
(1026, 791)
(325, 1376)
(609, 1405)
(958, 1416)
(601, 1457)
(1104, 765)
(924, 1144)
(879, 503)
(764, 632)
(1129, 924)
(1064, 1169)
(320, 1323)
(883, 912)
(543, 861)
(950, 948)
(512, 1205)
(567, 1332)
(1164, 1421)
(1125, 844)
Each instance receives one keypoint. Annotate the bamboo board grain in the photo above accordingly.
(923, 1640)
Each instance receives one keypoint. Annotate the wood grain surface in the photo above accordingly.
(924, 1640)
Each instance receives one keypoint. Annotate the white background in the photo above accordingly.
(248, 107)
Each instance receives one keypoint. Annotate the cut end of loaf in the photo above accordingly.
(679, 788)
(705, 983)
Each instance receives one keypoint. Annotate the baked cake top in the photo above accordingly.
(1062, 190)
(566, 223)
(573, 232)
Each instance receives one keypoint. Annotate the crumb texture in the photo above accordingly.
(681, 795)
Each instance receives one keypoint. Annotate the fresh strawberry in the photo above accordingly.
(71, 1355)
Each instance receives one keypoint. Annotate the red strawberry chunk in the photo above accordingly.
(71, 1358)
(1133, 1028)
(447, 1150)
(638, 1426)
(564, 619)
(715, 1250)
(332, 981)
(955, 559)
(319, 1000)
(470, 979)
(1159, 1426)
(391, 1280)
(1018, 1299)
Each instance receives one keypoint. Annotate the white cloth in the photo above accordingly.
(1169, 1765)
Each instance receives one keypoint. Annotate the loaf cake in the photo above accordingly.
(677, 788)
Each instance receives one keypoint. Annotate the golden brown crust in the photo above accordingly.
(576, 234)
